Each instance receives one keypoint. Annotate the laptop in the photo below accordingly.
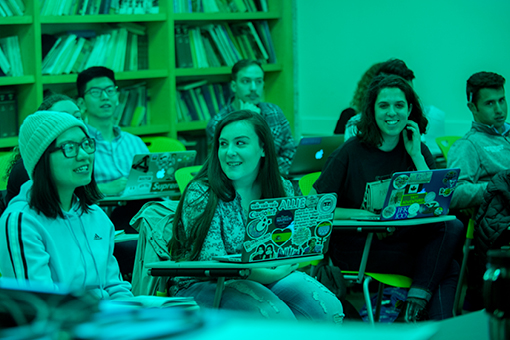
(154, 173)
(312, 153)
(417, 194)
(286, 227)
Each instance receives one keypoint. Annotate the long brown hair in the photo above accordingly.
(187, 246)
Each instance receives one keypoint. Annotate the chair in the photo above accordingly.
(305, 184)
(163, 144)
(5, 158)
(445, 143)
(184, 175)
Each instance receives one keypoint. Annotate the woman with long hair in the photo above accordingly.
(211, 221)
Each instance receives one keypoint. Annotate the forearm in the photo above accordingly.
(420, 163)
(269, 275)
(468, 194)
(347, 213)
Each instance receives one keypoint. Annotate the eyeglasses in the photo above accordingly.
(71, 149)
(96, 92)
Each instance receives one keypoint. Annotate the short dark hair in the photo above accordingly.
(52, 99)
(242, 64)
(396, 67)
(90, 74)
(482, 80)
(368, 131)
(187, 245)
(44, 197)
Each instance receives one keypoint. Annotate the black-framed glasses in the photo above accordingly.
(96, 92)
(71, 149)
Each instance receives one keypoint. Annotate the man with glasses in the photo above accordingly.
(248, 87)
(98, 98)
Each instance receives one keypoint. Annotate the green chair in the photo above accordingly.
(445, 143)
(361, 276)
(184, 175)
(5, 159)
(163, 144)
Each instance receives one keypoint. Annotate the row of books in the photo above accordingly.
(9, 113)
(10, 57)
(10, 8)
(200, 101)
(119, 49)
(225, 6)
(94, 7)
(132, 109)
(216, 45)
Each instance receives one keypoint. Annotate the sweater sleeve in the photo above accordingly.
(23, 254)
(287, 149)
(469, 191)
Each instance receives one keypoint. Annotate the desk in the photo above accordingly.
(218, 269)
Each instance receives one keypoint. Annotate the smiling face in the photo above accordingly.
(249, 85)
(391, 112)
(240, 152)
(491, 107)
(102, 107)
(71, 173)
(67, 106)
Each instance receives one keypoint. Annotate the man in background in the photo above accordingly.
(97, 99)
(248, 85)
(485, 149)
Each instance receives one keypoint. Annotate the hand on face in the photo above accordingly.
(413, 144)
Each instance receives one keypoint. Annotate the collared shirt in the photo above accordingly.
(113, 160)
(280, 129)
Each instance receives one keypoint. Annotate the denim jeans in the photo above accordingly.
(297, 296)
(424, 253)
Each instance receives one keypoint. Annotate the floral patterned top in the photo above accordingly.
(227, 230)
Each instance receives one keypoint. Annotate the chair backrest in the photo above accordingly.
(5, 158)
(445, 143)
(306, 182)
(184, 175)
(163, 144)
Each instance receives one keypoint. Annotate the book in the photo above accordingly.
(133, 27)
(191, 85)
(208, 100)
(119, 109)
(206, 115)
(186, 96)
(180, 46)
(8, 112)
(263, 31)
(5, 66)
(10, 47)
(133, 61)
(193, 47)
(143, 52)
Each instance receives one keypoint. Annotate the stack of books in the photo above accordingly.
(94, 7)
(10, 57)
(8, 112)
(216, 45)
(132, 109)
(120, 49)
(11, 8)
(200, 101)
(225, 6)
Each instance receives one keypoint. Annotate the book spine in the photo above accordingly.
(9, 113)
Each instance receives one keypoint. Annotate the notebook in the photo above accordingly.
(418, 194)
(312, 153)
(154, 173)
(286, 227)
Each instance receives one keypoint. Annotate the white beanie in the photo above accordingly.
(39, 130)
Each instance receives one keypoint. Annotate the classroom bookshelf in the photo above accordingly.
(162, 76)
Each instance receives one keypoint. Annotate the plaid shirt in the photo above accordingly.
(280, 129)
(113, 160)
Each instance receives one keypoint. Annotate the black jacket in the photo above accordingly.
(493, 216)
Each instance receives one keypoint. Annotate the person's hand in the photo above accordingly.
(248, 106)
(413, 144)
(285, 270)
(114, 187)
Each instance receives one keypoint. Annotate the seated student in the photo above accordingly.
(16, 172)
(54, 232)
(211, 217)
(382, 147)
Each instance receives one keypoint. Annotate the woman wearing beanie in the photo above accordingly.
(54, 233)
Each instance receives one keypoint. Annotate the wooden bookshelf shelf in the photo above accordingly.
(147, 129)
(106, 18)
(19, 20)
(191, 126)
(189, 72)
(9, 142)
(5, 81)
(225, 16)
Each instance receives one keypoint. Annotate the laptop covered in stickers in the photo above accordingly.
(417, 194)
(154, 173)
(286, 227)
